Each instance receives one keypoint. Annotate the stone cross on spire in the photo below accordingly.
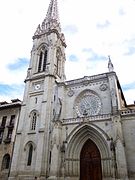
(110, 65)
(51, 20)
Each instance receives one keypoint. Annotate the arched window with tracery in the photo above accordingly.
(42, 59)
(30, 153)
(5, 162)
(33, 120)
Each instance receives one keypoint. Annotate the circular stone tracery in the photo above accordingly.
(88, 104)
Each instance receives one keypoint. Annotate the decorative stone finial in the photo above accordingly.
(110, 65)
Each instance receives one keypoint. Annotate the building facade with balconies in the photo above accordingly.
(9, 115)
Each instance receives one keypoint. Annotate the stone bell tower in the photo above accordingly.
(31, 155)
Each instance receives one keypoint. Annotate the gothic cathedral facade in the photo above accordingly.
(76, 130)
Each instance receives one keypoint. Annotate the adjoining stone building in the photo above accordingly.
(77, 130)
(9, 115)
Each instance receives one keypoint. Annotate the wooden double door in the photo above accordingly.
(90, 162)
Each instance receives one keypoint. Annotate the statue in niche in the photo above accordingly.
(57, 109)
(113, 150)
(28, 72)
(112, 145)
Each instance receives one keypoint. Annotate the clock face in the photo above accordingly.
(37, 86)
(89, 104)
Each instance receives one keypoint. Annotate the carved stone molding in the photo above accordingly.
(103, 87)
(70, 93)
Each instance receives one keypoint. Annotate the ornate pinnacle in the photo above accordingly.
(52, 12)
(51, 20)
(110, 65)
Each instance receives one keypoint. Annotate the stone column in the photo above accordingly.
(120, 164)
(121, 161)
(55, 151)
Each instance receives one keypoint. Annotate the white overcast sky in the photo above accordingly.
(93, 29)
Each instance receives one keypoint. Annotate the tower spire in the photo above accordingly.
(52, 12)
(51, 20)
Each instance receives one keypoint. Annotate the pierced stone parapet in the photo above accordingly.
(128, 112)
(77, 120)
(86, 78)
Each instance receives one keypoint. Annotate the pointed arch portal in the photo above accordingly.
(90, 162)
(88, 145)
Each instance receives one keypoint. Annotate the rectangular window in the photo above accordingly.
(1, 136)
(3, 123)
(12, 120)
(9, 135)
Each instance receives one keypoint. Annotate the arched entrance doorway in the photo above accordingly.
(90, 162)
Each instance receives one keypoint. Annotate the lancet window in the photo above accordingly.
(42, 59)
(30, 153)
(58, 56)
